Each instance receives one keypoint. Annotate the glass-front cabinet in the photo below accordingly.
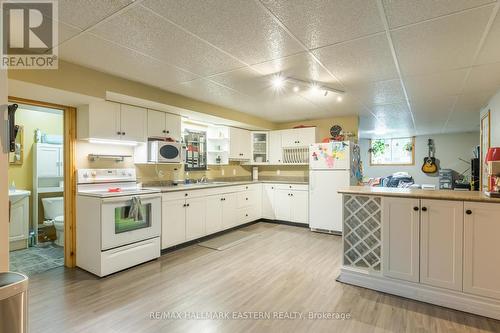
(260, 147)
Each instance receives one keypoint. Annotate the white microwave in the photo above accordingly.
(165, 152)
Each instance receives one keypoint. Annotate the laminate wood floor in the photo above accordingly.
(283, 269)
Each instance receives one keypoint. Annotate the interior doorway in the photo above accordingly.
(41, 187)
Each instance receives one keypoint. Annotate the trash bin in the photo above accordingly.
(13, 303)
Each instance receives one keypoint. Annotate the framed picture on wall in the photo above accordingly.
(485, 144)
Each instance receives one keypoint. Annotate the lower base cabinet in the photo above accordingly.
(195, 218)
(173, 222)
(482, 249)
(285, 203)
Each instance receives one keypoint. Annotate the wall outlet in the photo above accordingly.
(278, 172)
(222, 172)
(234, 172)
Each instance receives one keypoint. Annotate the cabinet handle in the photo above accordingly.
(246, 199)
(188, 205)
(119, 133)
(164, 131)
(468, 212)
(123, 133)
(291, 194)
(184, 205)
(415, 208)
(424, 209)
(185, 194)
(246, 215)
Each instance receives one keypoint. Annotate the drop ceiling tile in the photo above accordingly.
(66, 32)
(431, 114)
(432, 85)
(142, 30)
(90, 51)
(319, 23)
(380, 92)
(485, 77)
(443, 44)
(370, 127)
(473, 102)
(387, 111)
(403, 12)
(331, 106)
(239, 27)
(85, 13)
(246, 81)
(465, 116)
(301, 66)
(359, 61)
(490, 51)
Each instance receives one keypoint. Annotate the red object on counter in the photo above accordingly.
(493, 154)
(114, 189)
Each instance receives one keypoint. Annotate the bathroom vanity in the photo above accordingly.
(19, 219)
(440, 247)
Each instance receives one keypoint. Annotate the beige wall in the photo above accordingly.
(349, 124)
(449, 148)
(4, 200)
(86, 81)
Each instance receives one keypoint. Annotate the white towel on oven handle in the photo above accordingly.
(136, 209)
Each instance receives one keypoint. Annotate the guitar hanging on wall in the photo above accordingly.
(430, 165)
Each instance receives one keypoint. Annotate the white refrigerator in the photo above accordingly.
(331, 166)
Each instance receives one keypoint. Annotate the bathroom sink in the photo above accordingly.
(18, 194)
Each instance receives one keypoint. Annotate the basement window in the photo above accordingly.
(397, 151)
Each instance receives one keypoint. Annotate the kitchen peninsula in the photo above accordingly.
(439, 247)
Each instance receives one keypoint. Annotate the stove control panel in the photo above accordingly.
(91, 176)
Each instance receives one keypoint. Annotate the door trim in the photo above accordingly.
(69, 174)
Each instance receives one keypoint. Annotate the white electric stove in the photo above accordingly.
(109, 237)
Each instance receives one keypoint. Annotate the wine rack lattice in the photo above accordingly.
(362, 232)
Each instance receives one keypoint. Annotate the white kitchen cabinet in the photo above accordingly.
(49, 160)
(112, 121)
(195, 218)
(260, 147)
(230, 210)
(275, 147)
(400, 232)
(282, 205)
(163, 124)
(173, 223)
(268, 202)
(214, 213)
(482, 249)
(441, 243)
(19, 218)
(298, 137)
(239, 144)
(291, 205)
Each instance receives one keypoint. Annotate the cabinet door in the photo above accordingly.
(299, 207)
(282, 203)
(49, 161)
(306, 136)
(195, 218)
(441, 239)
(275, 148)
(173, 126)
(173, 223)
(482, 249)
(156, 123)
(268, 202)
(246, 144)
(289, 138)
(104, 120)
(133, 123)
(400, 234)
(260, 147)
(214, 214)
(230, 210)
(19, 220)
(234, 143)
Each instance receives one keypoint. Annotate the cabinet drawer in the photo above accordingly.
(247, 214)
(248, 198)
(295, 187)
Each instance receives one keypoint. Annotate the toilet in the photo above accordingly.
(53, 210)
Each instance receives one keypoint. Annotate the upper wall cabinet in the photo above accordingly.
(111, 121)
(162, 124)
(298, 137)
(239, 144)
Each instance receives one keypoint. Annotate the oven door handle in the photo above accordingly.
(129, 197)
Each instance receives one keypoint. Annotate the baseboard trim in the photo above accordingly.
(478, 305)
(294, 224)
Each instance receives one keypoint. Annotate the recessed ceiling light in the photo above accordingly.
(296, 89)
(339, 98)
(278, 82)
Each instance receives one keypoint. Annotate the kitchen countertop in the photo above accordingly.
(196, 186)
(418, 193)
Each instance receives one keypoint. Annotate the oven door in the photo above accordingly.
(119, 228)
(170, 152)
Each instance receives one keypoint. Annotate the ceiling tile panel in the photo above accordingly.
(142, 30)
(490, 51)
(483, 78)
(359, 61)
(431, 114)
(380, 92)
(465, 116)
(403, 12)
(370, 127)
(439, 45)
(432, 85)
(319, 23)
(90, 51)
(239, 27)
